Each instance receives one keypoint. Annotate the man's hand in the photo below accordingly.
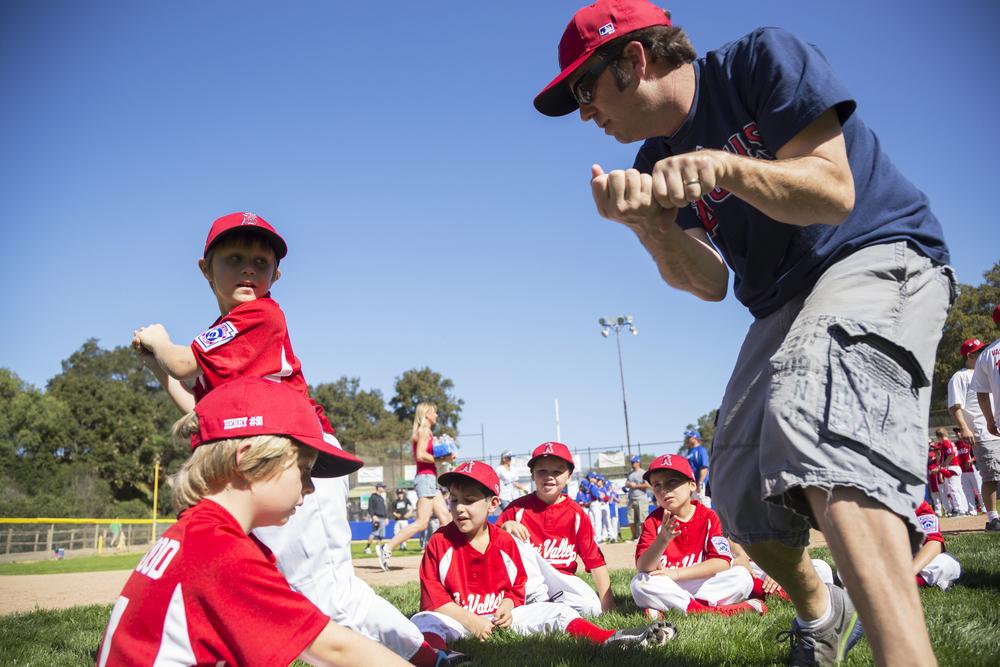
(626, 196)
(517, 530)
(967, 434)
(150, 337)
(681, 179)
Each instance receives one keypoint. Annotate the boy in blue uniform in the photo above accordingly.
(755, 161)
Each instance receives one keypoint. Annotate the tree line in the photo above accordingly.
(87, 445)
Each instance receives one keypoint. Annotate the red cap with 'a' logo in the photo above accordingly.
(254, 406)
(674, 462)
(233, 221)
(591, 28)
(972, 345)
(477, 471)
(556, 449)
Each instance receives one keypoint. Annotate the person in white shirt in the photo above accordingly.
(985, 383)
(510, 488)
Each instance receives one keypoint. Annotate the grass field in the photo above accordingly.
(964, 623)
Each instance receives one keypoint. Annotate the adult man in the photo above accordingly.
(638, 500)
(402, 509)
(510, 488)
(985, 383)
(697, 456)
(840, 261)
(378, 515)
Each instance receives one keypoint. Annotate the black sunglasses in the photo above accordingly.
(583, 89)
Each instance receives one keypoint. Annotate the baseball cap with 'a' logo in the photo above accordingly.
(674, 462)
(556, 449)
(245, 220)
(477, 471)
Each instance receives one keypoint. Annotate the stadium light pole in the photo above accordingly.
(617, 324)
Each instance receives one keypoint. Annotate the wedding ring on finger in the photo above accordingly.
(693, 181)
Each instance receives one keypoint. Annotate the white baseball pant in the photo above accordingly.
(545, 583)
(953, 485)
(942, 572)
(971, 484)
(663, 593)
(594, 513)
(314, 553)
(529, 619)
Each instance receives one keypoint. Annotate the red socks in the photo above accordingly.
(581, 628)
(698, 607)
(921, 582)
(427, 654)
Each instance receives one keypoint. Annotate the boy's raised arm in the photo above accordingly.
(177, 360)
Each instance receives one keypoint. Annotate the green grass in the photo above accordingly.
(130, 560)
(964, 624)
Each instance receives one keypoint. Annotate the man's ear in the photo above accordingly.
(635, 56)
(241, 452)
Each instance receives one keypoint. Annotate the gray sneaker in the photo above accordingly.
(828, 645)
(657, 634)
(993, 526)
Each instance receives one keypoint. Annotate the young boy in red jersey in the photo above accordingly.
(932, 564)
(560, 531)
(208, 592)
(472, 578)
(684, 561)
(250, 339)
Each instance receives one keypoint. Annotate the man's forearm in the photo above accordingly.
(684, 262)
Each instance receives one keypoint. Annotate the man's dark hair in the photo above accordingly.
(667, 44)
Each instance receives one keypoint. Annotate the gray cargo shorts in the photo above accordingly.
(833, 389)
(988, 459)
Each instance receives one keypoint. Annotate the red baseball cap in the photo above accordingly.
(972, 345)
(556, 449)
(996, 314)
(254, 406)
(477, 471)
(670, 462)
(228, 223)
(592, 27)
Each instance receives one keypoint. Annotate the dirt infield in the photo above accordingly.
(59, 591)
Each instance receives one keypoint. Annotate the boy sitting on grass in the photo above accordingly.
(684, 562)
(932, 564)
(559, 530)
(472, 578)
(208, 592)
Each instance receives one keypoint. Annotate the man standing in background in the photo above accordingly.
(638, 500)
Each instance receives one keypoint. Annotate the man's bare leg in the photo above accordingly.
(871, 547)
(793, 569)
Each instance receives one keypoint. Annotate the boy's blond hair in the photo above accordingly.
(211, 466)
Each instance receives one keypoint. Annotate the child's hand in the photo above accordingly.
(669, 528)
(517, 530)
(150, 337)
(769, 585)
(481, 627)
(504, 615)
(669, 572)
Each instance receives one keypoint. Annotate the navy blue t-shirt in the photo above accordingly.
(752, 96)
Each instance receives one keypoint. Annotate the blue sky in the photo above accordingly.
(433, 217)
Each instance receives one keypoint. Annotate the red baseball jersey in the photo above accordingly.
(208, 594)
(929, 524)
(946, 448)
(559, 532)
(964, 455)
(453, 571)
(250, 341)
(700, 538)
